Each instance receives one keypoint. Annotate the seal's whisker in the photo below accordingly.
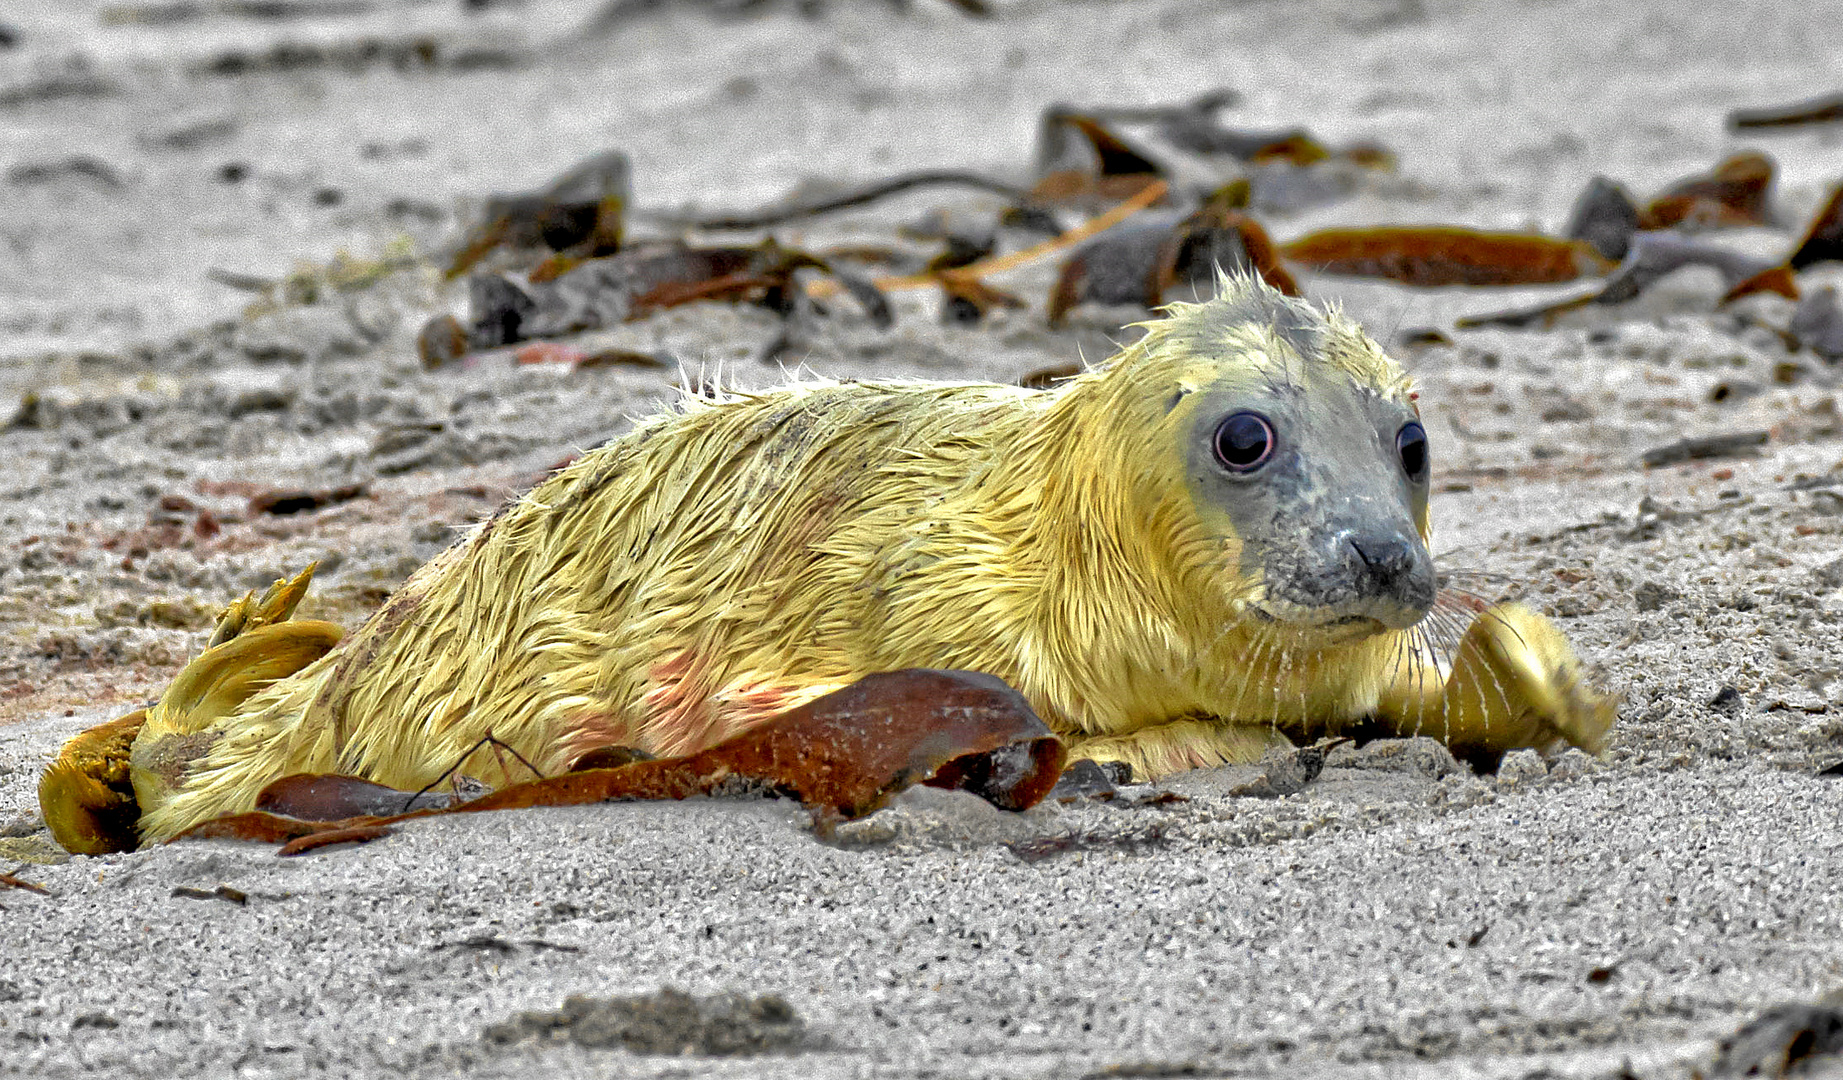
(485, 740)
(1267, 658)
(1401, 314)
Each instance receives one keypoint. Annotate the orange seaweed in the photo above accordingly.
(351, 834)
(1773, 279)
(843, 755)
(1733, 193)
(1437, 255)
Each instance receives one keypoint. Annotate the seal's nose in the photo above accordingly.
(1394, 567)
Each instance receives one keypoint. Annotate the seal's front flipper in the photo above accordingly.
(86, 796)
(179, 728)
(1158, 751)
(94, 794)
(1513, 682)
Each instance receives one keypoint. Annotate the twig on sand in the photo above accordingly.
(855, 197)
(14, 882)
(1820, 110)
(1737, 444)
(1145, 197)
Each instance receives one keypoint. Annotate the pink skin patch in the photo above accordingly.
(685, 714)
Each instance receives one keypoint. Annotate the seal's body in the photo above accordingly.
(1213, 540)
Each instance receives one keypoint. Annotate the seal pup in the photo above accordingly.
(1213, 541)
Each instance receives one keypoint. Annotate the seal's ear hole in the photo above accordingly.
(1411, 444)
(1244, 442)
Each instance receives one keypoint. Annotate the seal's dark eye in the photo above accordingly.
(1411, 444)
(1244, 441)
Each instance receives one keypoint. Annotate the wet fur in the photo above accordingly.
(726, 562)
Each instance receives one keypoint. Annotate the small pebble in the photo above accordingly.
(1521, 767)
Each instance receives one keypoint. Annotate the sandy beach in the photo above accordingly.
(1400, 917)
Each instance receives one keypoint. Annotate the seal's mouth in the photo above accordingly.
(1336, 628)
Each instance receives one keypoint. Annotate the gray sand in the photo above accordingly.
(1567, 919)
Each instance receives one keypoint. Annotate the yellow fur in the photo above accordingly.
(717, 566)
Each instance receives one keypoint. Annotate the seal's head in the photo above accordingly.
(1304, 466)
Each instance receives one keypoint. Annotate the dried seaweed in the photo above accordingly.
(1085, 778)
(74, 82)
(71, 167)
(1215, 236)
(1100, 224)
(1700, 447)
(1734, 193)
(1287, 772)
(331, 797)
(857, 196)
(551, 352)
(222, 892)
(849, 752)
(1650, 257)
(1200, 109)
(1656, 254)
(349, 834)
(1295, 147)
(283, 501)
(1444, 255)
(1044, 377)
(311, 282)
(1823, 238)
(1079, 159)
(1818, 110)
(579, 212)
(632, 283)
(1543, 314)
(612, 15)
(182, 11)
(843, 755)
(13, 881)
(1074, 140)
(966, 299)
(1785, 1040)
(962, 245)
(1193, 126)
(263, 827)
(1605, 217)
(413, 53)
(1139, 262)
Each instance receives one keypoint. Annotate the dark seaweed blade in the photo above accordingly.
(1818, 110)
(1823, 239)
(1656, 254)
(857, 196)
(1605, 217)
(1141, 261)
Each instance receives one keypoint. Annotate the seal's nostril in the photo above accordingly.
(1389, 560)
